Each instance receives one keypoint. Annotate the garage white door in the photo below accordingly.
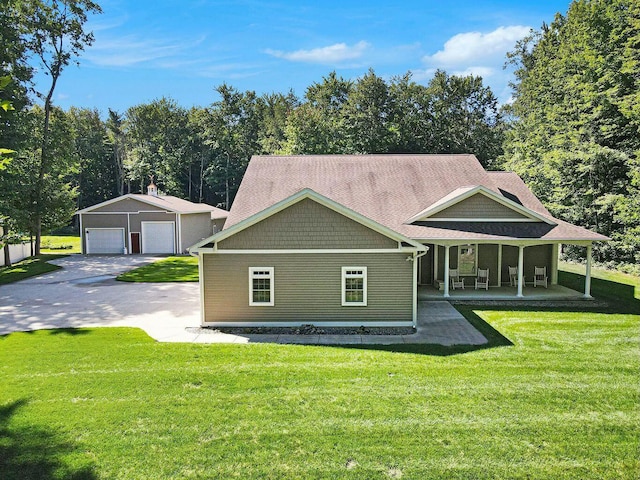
(105, 240)
(158, 237)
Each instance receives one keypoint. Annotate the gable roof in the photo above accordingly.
(389, 189)
(165, 202)
(463, 193)
(298, 197)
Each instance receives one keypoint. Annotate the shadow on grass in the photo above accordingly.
(619, 293)
(72, 332)
(493, 336)
(33, 452)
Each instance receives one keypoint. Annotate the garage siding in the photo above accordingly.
(102, 221)
(307, 287)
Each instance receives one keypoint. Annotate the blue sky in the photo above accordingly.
(146, 49)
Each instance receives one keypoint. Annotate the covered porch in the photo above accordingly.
(511, 269)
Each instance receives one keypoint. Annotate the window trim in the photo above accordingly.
(346, 275)
(271, 277)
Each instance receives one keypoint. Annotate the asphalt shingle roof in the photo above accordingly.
(390, 189)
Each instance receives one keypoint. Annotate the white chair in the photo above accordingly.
(540, 276)
(456, 280)
(513, 276)
(482, 279)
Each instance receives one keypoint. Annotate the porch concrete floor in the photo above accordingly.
(553, 292)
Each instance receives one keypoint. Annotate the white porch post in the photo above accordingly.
(435, 264)
(554, 263)
(446, 270)
(499, 265)
(587, 277)
(414, 313)
(520, 269)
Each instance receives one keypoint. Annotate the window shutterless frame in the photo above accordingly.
(261, 287)
(354, 286)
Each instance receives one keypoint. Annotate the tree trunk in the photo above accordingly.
(7, 255)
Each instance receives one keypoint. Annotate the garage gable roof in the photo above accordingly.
(166, 202)
(322, 200)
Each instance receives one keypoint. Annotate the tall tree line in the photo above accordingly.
(575, 130)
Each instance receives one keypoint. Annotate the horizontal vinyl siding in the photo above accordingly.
(195, 227)
(307, 287)
(306, 225)
(478, 206)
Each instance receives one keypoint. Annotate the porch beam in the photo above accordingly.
(446, 270)
(520, 270)
(587, 277)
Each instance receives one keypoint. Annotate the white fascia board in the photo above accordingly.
(521, 209)
(322, 200)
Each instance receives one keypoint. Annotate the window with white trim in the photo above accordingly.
(354, 286)
(261, 286)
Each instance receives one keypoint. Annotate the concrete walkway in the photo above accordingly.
(85, 294)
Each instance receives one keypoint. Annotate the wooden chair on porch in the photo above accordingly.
(540, 276)
(513, 276)
(456, 280)
(482, 279)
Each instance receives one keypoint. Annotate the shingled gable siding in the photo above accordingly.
(478, 206)
(306, 225)
(307, 288)
(128, 205)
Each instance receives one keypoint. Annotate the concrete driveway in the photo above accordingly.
(85, 294)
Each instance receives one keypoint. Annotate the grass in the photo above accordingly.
(28, 267)
(555, 395)
(171, 269)
(60, 244)
(606, 283)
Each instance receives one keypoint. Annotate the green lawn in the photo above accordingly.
(606, 283)
(171, 269)
(29, 267)
(556, 396)
(60, 244)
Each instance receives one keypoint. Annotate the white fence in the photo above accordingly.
(17, 252)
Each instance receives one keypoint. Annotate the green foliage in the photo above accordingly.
(576, 130)
(60, 244)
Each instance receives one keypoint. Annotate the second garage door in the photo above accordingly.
(158, 237)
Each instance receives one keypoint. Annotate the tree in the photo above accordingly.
(96, 180)
(117, 140)
(54, 33)
(53, 196)
(575, 134)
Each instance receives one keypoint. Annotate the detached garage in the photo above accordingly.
(147, 224)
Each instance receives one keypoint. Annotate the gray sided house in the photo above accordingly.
(147, 224)
(350, 239)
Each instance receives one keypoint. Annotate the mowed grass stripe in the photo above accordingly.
(561, 402)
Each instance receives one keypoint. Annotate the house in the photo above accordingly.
(348, 239)
(148, 224)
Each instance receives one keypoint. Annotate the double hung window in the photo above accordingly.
(261, 283)
(354, 286)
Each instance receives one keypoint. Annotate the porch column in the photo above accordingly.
(435, 264)
(499, 265)
(520, 270)
(554, 264)
(446, 270)
(587, 277)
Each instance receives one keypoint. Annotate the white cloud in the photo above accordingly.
(476, 46)
(331, 54)
(478, 71)
(127, 51)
